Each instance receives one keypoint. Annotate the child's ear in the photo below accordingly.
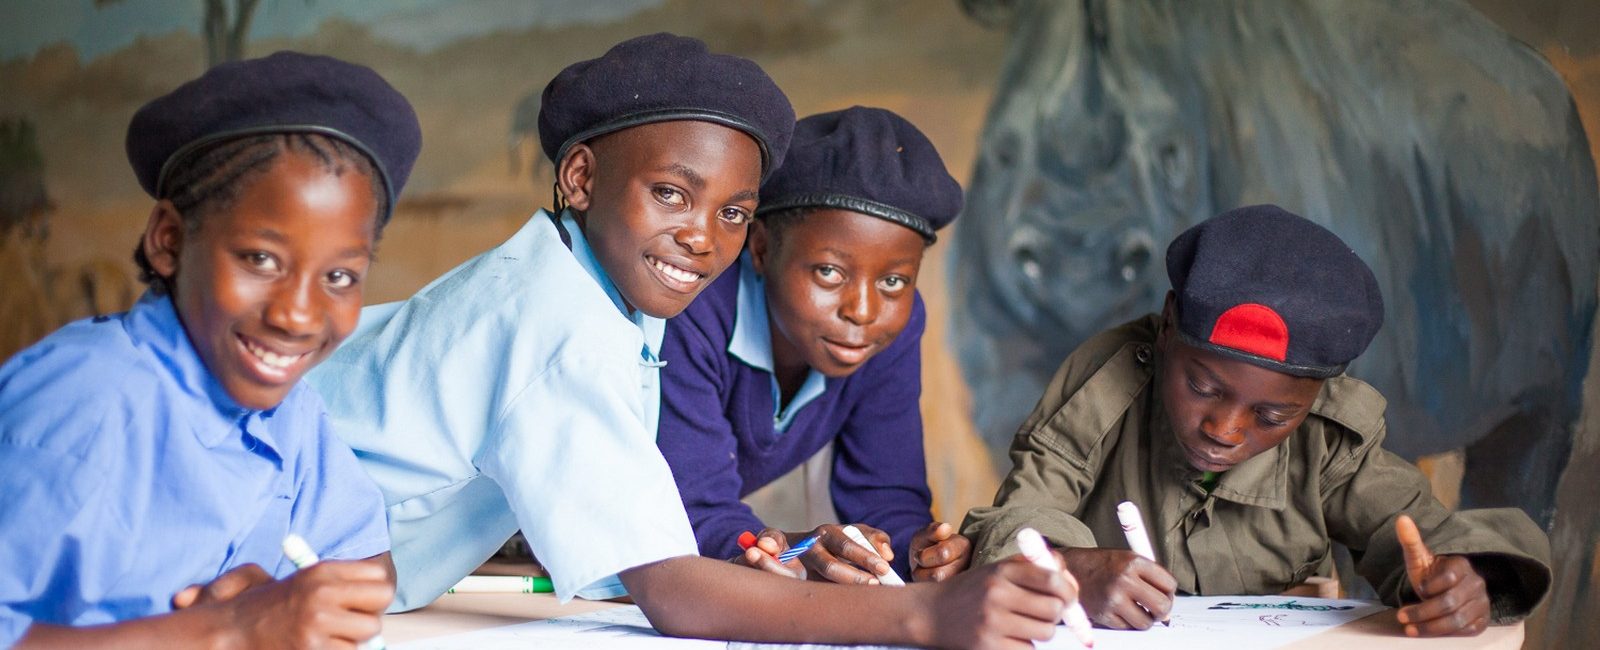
(575, 176)
(759, 241)
(163, 238)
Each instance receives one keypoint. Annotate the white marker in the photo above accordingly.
(1031, 543)
(502, 585)
(1138, 540)
(889, 578)
(1133, 528)
(299, 552)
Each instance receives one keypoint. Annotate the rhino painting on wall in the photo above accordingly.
(1447, 153)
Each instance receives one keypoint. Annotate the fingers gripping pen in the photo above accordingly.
(1138, 540)
(1032, 545)
(299, 552)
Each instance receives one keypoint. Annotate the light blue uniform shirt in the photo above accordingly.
(751, 342)
(514, 391)
(127, 473)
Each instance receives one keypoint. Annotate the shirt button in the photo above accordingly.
(1142, 354)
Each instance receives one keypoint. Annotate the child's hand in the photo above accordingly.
(763, 554)
(1455, 599)
(330, 604)
(1007, 604)
(837, 558)
(1120, 589)
(937, 552)
(225, 587)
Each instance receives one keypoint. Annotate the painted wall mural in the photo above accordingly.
(1447, 153)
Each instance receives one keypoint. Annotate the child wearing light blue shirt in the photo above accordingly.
(520, 390)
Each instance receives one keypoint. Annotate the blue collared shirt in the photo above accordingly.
(513, 391)
(752, 343)
(129, 474)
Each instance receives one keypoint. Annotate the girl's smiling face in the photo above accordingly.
(268, 285)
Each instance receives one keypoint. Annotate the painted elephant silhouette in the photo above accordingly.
(1446, 152)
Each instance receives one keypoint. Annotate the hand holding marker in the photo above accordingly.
(891, 578)
(299, 552)
(1032, 545)
(1138, 540)
(747, 539)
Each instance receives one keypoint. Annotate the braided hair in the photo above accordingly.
(211, 179)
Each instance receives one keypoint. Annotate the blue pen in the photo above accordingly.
(797, 549)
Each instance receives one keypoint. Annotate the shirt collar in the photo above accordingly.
(153, 324)
(751, 343)
(654, 328)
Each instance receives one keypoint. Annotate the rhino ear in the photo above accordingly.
(990, 13)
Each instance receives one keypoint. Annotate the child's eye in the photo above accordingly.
(260, 261)
(735, 216)
(1271, 422)
(829, 274)
(668, 195)
(342, 279)
(894, 283)
(1202, 391)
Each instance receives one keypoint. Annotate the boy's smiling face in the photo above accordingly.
(840, 288)
(266, 288)
(1224, 411)
(665, 206)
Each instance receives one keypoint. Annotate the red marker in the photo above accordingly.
(747, 540)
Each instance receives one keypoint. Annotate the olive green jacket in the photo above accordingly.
(1100, 436)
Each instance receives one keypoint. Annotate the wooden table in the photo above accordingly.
(456, 613)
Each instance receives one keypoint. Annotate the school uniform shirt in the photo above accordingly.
(725, 435)
(514, 391)
(1100, 436)
(129, 474)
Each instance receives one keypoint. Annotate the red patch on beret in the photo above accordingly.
(1253, 328)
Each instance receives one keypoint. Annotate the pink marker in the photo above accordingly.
(1031, 543)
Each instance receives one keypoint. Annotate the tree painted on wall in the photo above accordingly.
(225, 26)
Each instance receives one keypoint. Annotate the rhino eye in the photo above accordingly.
(1028, 261)
(1133, 254)
(1173, 161)
(1004, 148)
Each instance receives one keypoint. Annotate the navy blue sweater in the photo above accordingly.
(717, 429)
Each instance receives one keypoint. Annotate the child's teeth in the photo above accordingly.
(271, 358)
(677, 273)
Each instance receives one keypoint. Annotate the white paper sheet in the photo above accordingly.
(1198, 623)
(1230, 623)
(618, 628)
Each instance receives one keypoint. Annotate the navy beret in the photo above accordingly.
(865, 160)
(287, 92)
(1271, 288)
(664, 78)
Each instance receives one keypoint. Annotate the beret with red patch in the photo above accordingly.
(1266, 286)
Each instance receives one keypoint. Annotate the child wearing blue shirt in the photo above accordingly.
(816, 340)
(156, 460)
(520, 390)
